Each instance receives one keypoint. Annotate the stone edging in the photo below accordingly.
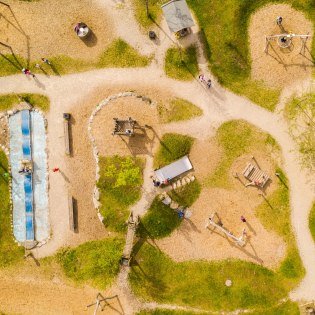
(96, 192)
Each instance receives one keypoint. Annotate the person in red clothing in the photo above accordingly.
(56, 169)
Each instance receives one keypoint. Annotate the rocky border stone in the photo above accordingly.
(96, 192)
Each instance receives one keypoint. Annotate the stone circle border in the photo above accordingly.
(96, 192)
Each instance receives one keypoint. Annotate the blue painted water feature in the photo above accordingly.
(28, 186)
(29, 191)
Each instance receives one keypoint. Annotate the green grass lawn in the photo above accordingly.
(122, 55)
(312, 221)
(172, 147)
(237, 138)
(181, 64)
(178, 110)
(274, 213)
(10, 253)
(8, 101)
(118, 54)
(95, 263)
(186, 195)
(154, 12)
(120, 182)
(300, 113)
(159, 221)
(156, 277)
(287, 308)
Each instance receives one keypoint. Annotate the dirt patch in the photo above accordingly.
(280, 66)
(205, 156)
(192, 241)
(43, 289)
(45, 28)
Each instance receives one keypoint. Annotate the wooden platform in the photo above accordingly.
(255, 175)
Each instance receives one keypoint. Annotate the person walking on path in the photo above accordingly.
(202, 78)
(56, 169)
(243, 219)
(209, 84)
(28, 72)
(46, 61)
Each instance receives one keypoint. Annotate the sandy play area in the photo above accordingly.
(192, 241)
(48, 291)
(278, 66)
(145, 139)
(45, 28)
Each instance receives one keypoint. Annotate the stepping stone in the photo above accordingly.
(174, 185)
(192, 177)
(187, 180)
(174, 205)
(179, 184)
(188, 213)
(167, 200)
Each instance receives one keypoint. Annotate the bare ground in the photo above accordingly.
(45, 28)
(280, 67)
(192, 241)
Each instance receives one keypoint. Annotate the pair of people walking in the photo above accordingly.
(204, 80)
(28, 72)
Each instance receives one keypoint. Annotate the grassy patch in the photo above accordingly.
(181, 65)
(8, 101)
(120, 182)
(312, 221)
(186, 195)
(287, 308)
(154, 12)
(118, 54)
(172, 147)
(202, 284)
(274, 213)
(159, 221)
(121, 55)
(95, 263)
(178, 110)
(9, 251)
(300, 112)
(167, 312)
(236, 138)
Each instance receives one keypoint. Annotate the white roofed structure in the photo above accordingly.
(177, 15)
(174, 169)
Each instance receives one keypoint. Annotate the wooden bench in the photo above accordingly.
(66, 122)
(255, 175)
(72, 224)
